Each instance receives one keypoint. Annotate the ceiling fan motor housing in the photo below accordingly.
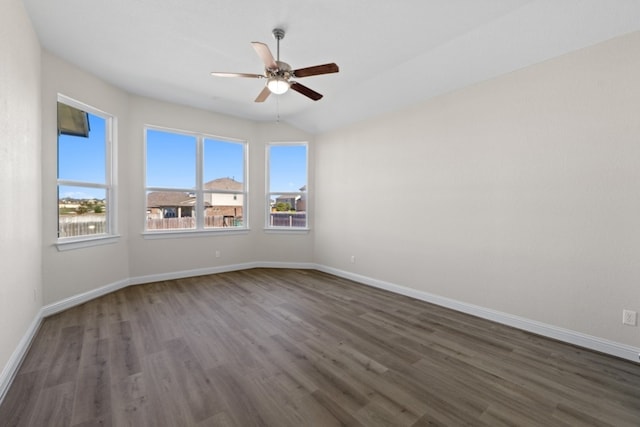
(283, 70)
(279, 73)
(278, 33)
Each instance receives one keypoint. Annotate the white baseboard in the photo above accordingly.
(67, 303)
(572, 337)
(566, 335)
(215, 270)
(11, 368)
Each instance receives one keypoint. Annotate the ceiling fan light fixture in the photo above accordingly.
(279, 72)
(277, 85)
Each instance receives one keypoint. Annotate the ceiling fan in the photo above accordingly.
(279, 74)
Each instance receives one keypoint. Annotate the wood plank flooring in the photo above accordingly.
(272, 347)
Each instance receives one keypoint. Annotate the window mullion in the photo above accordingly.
(199, 207)
(81, 183)
(110, 157)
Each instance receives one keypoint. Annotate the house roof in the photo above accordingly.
(390, 54)
(157, 199)
(227, 184)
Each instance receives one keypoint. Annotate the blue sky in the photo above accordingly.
(83, 159)
(287, 167)
(171, 161)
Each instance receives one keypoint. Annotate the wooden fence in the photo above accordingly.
(86, 225)
(81, 225)
(288, 219)
(213, 221)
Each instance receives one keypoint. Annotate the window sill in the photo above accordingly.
(69, 245)
(287, 230)
(176, 234)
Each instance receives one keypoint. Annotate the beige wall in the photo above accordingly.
(520, 194)
(158, 256)
(74, 272)
(20, 261)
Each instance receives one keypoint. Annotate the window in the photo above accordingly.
(287, 192)
(85, 187)
(194, 182)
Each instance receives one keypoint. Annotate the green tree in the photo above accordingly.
(283, 206)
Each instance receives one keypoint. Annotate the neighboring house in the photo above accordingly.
(298, 202)
(226, 200)
(169, 204)
(301, 202)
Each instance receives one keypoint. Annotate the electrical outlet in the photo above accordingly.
(218, 254)
(629, 317)
(353, 259)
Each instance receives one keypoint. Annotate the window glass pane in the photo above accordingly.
(287, 168)
(83, 157)
(287, 198)
(223, 159)
(83, 183)
(170, 210)
(215, 194)
(81, 211)
(287, 210)
(171, 160)
(223, 210)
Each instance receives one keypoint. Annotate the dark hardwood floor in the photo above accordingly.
(297, 347)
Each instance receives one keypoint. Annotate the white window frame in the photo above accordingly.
(199, 190)
(271, 228)
(110, 187)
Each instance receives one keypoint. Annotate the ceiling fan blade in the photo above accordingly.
(316, 70)
(262, 96)
(309, 93)
(253, 76)
(265, 54)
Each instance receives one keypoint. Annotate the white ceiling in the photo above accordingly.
(391, 54)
